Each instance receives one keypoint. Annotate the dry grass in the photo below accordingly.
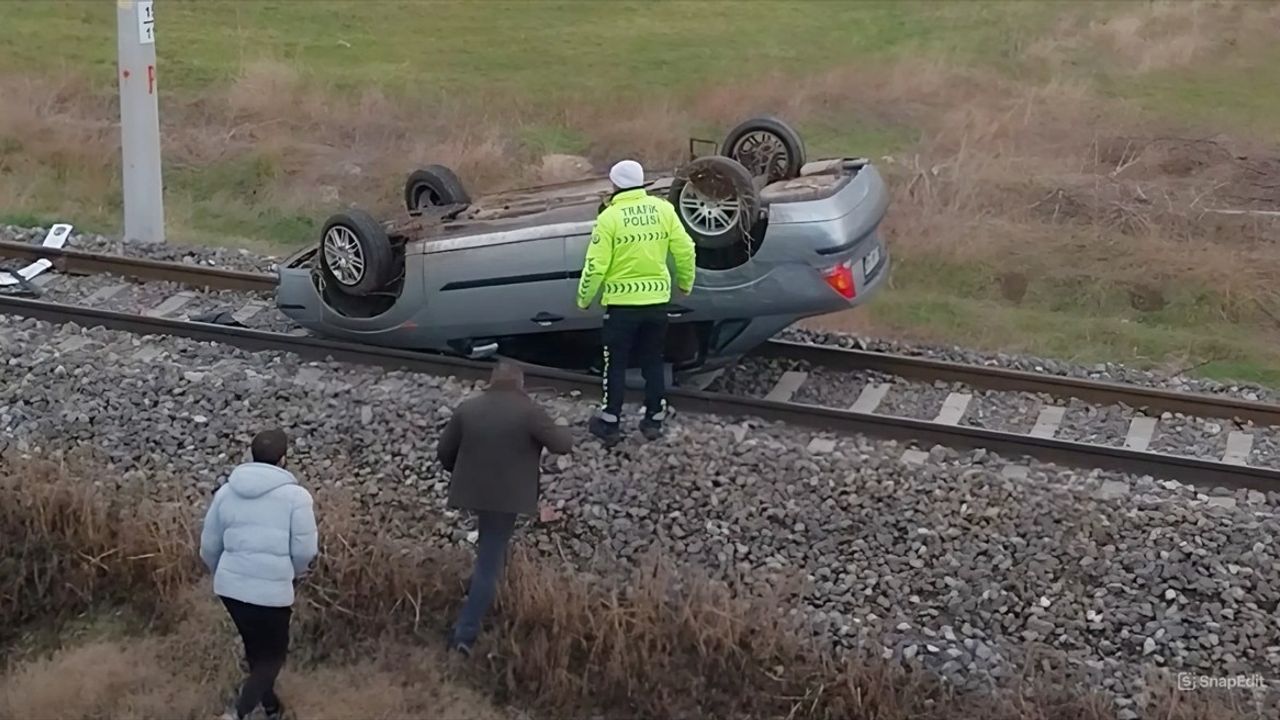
(190, 672)
(659, 644)
(1043, 175)
(1164, 35)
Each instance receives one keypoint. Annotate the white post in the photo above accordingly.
(139, 121)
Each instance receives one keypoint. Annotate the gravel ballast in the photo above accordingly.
(965, 564)
(1015, 412)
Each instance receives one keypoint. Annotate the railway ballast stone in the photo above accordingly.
(951, 565)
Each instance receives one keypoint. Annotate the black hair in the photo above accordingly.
(269, 446)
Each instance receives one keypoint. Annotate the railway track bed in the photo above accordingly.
(1217, 431)
(1209, 440)
(976, 565)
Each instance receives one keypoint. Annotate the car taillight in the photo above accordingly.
(840, 278)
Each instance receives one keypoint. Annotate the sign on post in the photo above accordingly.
(146, 22)
(139, 121)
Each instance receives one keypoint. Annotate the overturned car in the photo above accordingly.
(778, 239)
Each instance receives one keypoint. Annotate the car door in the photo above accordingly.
(494, 289)
(575, 253)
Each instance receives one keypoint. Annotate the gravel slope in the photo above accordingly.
(964, 564)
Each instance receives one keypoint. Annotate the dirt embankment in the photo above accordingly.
(370, 620)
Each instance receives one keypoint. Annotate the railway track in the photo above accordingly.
(822, 387)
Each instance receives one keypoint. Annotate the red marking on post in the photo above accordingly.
(151, 79)
(126, 74)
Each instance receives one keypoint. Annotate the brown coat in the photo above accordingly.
(492, 447)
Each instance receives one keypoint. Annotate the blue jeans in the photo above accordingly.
(491, 558)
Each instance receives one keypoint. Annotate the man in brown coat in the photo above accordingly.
(492, 446)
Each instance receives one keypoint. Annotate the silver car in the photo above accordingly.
(778, 239)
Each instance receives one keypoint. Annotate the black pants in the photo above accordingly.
(641, 331)
(265, 632)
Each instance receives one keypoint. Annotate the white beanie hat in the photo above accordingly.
(627, 175)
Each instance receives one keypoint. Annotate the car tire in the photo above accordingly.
(717, 202)
(767, 147)
(437, 185)
(355, 253)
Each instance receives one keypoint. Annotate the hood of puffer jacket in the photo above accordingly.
(255, 479)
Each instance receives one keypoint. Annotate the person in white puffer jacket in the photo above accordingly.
(259, 537)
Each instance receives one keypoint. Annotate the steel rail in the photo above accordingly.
(78, 262)
(1187, 469)
(1009, 380)
(826, 356)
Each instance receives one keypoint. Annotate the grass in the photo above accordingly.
(1082, 319)
(528, 49)
(1233, 354)
(1219, 95)
(1017, 137)
(113, 576)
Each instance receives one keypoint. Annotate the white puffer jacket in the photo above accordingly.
(259, 535)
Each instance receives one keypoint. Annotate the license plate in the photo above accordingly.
(870, 261)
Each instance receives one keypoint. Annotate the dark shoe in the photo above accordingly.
(609, 433)
(452, 644)
(275, 713)
(651, 429)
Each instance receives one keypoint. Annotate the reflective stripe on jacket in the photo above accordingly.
(627, 257)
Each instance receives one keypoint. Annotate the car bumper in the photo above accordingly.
(298, 299)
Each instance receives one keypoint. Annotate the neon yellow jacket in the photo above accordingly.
(628, 253)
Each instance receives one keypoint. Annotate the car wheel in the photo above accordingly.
(767, 147)
(355, 253)
(716, 200)
(433, 185)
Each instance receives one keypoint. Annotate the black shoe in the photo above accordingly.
(275, 713)
(651, 429)
(608, 432)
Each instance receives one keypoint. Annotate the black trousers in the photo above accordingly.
(265, 632)
(638, 331)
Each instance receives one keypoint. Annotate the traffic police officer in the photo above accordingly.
(627, 259)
